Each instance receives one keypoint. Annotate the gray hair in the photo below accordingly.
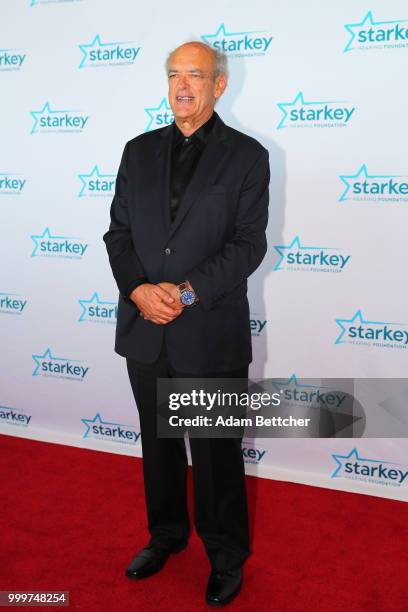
(220, 58)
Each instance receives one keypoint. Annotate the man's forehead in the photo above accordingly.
(174, 67)
(192, 57)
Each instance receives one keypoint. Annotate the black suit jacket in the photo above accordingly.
(216, 241)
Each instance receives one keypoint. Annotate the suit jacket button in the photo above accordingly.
(167, 251)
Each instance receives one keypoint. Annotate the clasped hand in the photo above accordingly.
(158, 303)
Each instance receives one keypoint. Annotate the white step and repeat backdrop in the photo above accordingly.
(322, 86)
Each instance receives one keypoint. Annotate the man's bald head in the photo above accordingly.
(219, 59)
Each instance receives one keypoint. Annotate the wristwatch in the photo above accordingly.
(187, 294)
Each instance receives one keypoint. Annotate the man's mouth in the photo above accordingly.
(184, 98)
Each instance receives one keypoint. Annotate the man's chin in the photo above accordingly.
(183, 114)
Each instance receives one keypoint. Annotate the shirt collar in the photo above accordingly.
(200, 136)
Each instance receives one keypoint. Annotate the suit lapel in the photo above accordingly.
(204, 174)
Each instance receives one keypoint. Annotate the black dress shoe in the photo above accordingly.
(149, 561)
(223, 587)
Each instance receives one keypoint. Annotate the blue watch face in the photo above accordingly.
(187, 298)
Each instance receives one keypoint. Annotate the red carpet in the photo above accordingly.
(72, 519)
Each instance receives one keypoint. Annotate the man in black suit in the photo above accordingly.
(187, 228)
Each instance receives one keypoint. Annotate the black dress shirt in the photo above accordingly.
(186, 153)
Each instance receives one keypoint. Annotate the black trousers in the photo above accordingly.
(220, 503)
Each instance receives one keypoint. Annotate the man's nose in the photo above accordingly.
(183, 81)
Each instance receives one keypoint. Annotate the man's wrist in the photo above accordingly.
(134, 285)
(128, 295)
(188, 296)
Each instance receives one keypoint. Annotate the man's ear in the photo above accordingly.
(220, 85)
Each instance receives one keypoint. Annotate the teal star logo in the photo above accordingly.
(321, 396)
(358, 319)
(353, 455)
(46, 110)
(369, 21)
(295, 245)
(36, 238)
(47, 355)
(98, 420)
(300, 101)
(94, 174)
(162, 109)
(85, 304)
(85, 48)
(222, 33)
(36, 115)
(361, 175)
(293, 381)
(97, 43)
